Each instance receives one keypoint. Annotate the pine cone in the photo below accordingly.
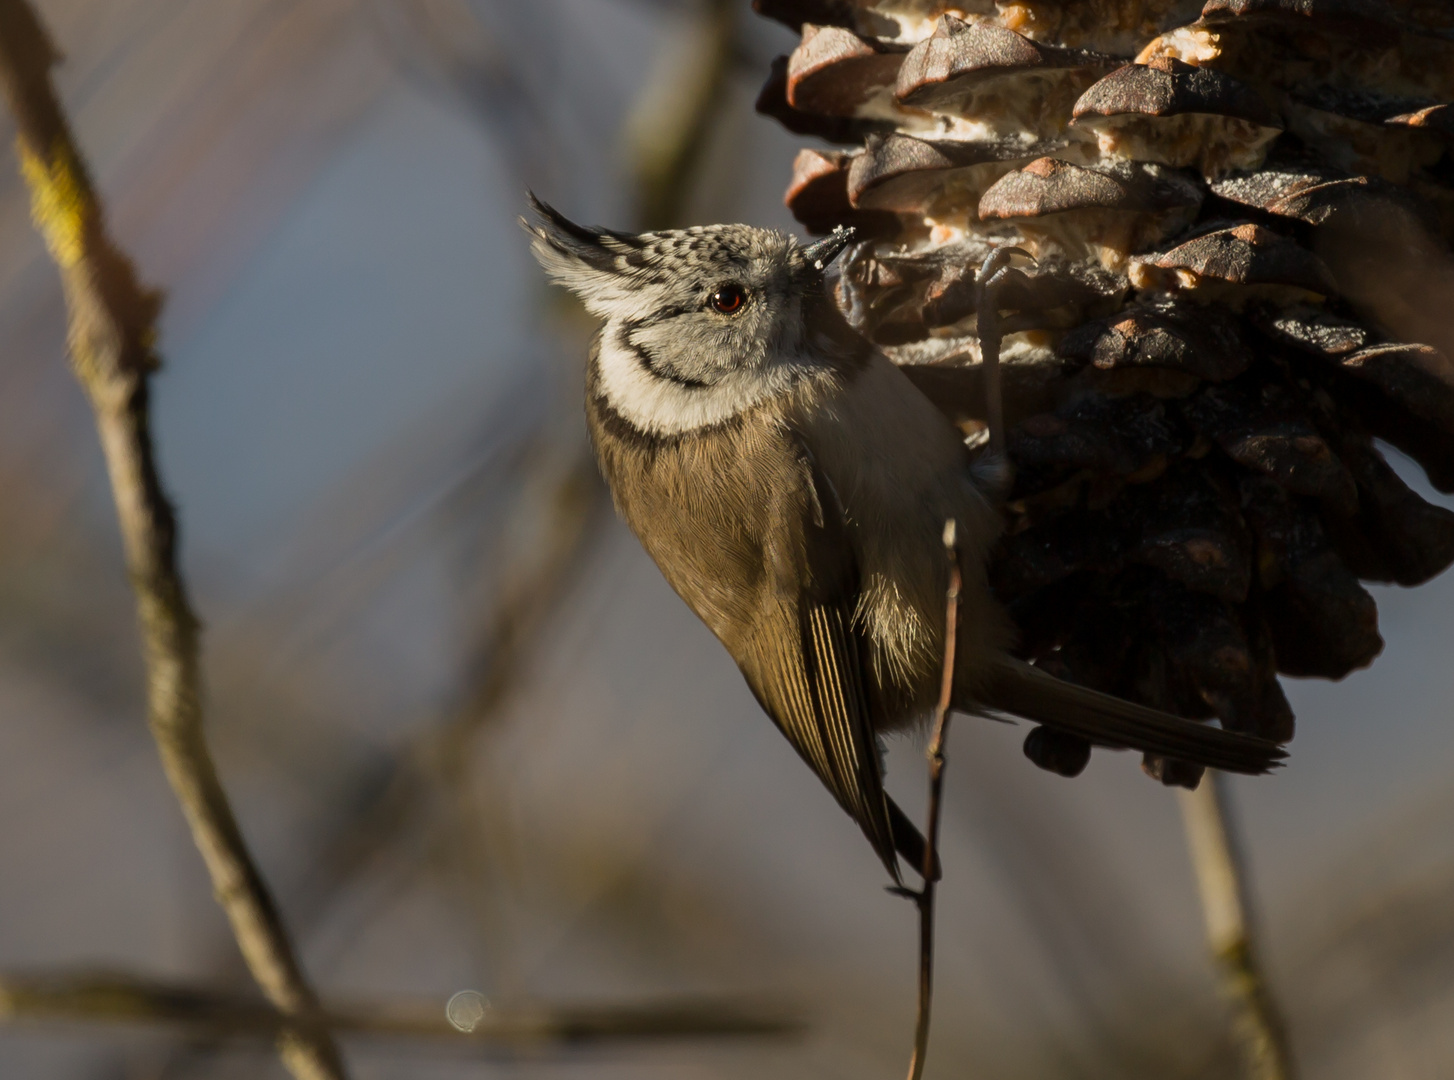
(1192, 398)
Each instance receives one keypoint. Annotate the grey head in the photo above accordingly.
(701, 323)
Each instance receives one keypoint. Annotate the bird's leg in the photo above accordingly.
(992, 276)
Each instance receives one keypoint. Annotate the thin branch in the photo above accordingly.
(112, 333)
(1222, 879)
(123, 998)
(924, 898)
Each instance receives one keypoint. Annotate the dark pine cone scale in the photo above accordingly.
(1195, 382)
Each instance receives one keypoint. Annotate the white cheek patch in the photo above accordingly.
(662, 407)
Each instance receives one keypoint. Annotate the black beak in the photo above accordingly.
(824, 251)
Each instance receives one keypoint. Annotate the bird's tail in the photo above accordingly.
(1021, 689)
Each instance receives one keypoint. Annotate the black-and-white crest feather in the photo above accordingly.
(701, 323)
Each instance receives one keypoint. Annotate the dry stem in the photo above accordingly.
(121, 998)
(1221, 877)
(924, 898)
(112, 320)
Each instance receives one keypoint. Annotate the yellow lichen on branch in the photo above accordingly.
(61, 204)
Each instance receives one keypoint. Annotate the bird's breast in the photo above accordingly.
(719, 510)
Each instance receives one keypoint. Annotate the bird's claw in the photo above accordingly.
(998, 260)
(992, 274)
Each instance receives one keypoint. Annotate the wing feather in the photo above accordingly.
(813, 690)
(811, 676)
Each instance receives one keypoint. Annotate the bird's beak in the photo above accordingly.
(824, 251)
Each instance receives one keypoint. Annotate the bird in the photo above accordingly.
(793, 487)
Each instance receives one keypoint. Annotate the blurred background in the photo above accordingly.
(474, 739)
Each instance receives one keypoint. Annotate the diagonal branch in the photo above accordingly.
(112, 335)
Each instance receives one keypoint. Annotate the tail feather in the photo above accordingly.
(1024, 690)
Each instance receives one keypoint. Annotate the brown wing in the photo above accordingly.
(809, 672)
(765, 564)
(814, 694)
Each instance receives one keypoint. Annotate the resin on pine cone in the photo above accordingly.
(1194, 381)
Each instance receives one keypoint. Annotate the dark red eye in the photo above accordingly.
(729, 298)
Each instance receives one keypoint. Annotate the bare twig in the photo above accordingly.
(111, 335)
(924, 898)
(123, 998)
(1221, 877)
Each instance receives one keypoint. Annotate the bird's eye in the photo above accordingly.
(729, 299)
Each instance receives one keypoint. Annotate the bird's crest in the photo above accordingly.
(601, 266)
